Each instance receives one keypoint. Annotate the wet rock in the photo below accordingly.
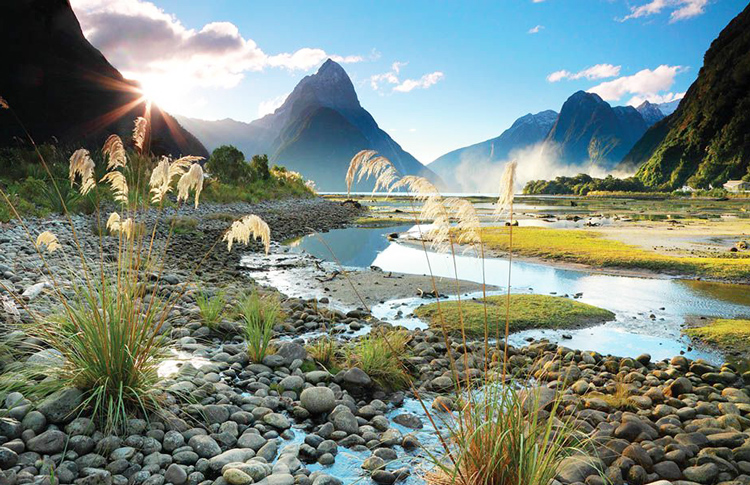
(318, 400)
(61, 406)
(237, 455)
(383, 476)
(357, 377)
(204, 446)
(234, 476)
(678, 387)
(48, 443)
(575, 469)
(8, 458)
(702, 473)
(176, 475)
(277, 420)
(409, 420)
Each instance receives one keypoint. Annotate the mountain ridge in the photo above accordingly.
(311, 106)
(63, 89)
(705, 141)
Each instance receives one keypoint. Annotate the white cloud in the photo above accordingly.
(422, 83)
(646, 83)
(680, 9)
(655, 98)
(535, 29)
(392, 77)
(154, 47)
(270, 105)
(599, 71)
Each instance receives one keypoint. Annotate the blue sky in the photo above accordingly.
(466, 70)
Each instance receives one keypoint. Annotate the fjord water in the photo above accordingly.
(649, 311)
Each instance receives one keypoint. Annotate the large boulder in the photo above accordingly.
(318, 400)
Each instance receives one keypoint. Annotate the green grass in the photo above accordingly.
(379, 354)
(183, 224)
(526, 312)
(500, 437)
(211, 307)
(259, 314)
(725, 333)
(327, 352)
(589, 247)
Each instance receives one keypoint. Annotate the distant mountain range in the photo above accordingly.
(587, 132)
(526, 131)
(706, 141)
(64, 90)
(316, 131)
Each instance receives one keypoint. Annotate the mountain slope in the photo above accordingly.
(525, 131)
(650, 112)
(62, 88)
(706, 141)
(588, 128)
(323, 106)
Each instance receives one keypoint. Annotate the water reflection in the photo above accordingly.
(654, 309)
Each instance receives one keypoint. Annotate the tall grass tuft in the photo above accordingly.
(326, 351)
(211, 307)
(503, 437)
(110, 327)
(260, 314)
(379, 354)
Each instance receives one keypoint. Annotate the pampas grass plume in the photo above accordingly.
(119, 185)
(139, 132)
(82, 165)
(48, 240)
(192, 179)
(247, 227)
(507, 186)
(115, 150)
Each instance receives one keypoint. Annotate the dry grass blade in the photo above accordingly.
(139, 132)
(48, 240)
(81, 165)
(115, 150)
(247, 227)
(118, 184)
(191, 180)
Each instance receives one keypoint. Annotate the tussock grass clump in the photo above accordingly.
(503, 436)
(260, 314)
(379, 355)
(327, 352)
(211, 307)
(526, 312)
(184, 224)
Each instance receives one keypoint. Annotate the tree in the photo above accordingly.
(228, 165)
(259, 167)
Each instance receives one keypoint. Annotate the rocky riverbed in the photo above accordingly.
(675, 421)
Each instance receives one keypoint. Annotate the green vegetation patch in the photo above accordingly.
(526, 312)
(589, 247)
(724, 333)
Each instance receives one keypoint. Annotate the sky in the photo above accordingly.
(436, 75)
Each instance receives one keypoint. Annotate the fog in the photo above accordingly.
(539, 161)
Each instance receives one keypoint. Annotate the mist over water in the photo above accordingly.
(541, 161)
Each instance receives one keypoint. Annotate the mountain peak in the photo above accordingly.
(329, 87)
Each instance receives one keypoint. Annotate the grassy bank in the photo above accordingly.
(589, 247)
(526, 312)
(728, 335)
